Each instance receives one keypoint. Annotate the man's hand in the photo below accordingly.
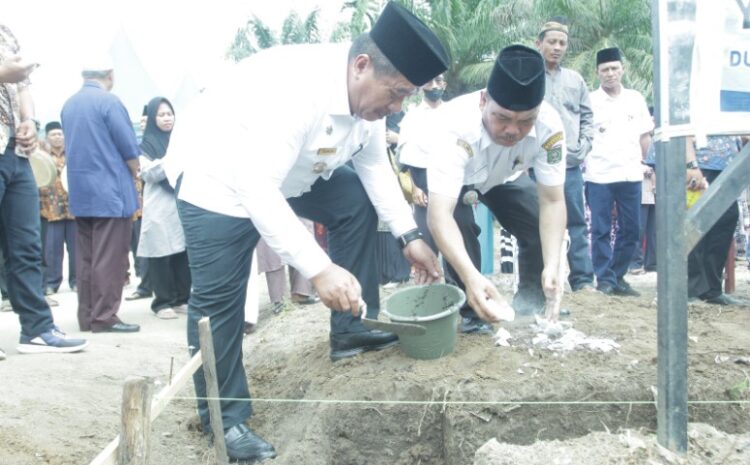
(550, 282)
(391, 137)
(424, 260)
(552, 292)
(695, 180)
(418, 196)
(483, 297)
(338, 289)
(26, 136)
(14, 70)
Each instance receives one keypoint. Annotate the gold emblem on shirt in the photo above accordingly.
(319, 167)
(465, 145)
(554, 154)
(554, 139)
(327, 151)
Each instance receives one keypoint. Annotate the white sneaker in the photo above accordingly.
(6, 306)
(166, 314)
(53, 340)
(181, 309)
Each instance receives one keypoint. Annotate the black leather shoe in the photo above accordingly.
(245, 446)
(624, 289)
(350, 344)
(473, 325)
(118, 328)
(605, 288)
(724, 299)
(138, 295)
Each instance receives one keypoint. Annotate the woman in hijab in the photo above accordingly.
(162, 239)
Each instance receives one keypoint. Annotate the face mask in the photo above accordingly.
(433, 94)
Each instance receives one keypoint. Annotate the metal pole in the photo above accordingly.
(671, 263)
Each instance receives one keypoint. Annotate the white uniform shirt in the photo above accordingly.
(470, 157)
(267, 132)
(619, 122)
(417, 127)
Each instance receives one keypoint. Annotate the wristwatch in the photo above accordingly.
(692, 165)
(409, 236)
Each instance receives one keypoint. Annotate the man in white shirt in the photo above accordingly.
(269, 142)
(613, 175)
(414, 155)
(488, 140)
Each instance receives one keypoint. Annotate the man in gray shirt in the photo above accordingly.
(567, 93)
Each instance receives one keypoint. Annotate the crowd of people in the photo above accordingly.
(545, 155)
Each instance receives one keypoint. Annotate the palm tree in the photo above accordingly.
(256, 35)
(474, 31)
(598, 24)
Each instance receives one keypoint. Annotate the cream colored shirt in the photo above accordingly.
(619, 123)
(266, 132)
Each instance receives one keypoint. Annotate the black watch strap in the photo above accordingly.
(409, 236)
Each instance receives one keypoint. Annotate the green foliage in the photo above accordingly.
(598, 24)
(256, 35)
(474, 31)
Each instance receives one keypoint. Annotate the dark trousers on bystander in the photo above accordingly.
(20, 239)
(610, 265)
(101, 266)
(60, 235)
(706, 261)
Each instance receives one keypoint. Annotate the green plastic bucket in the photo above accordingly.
(433, 306)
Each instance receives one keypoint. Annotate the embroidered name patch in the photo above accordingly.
(554, 139)
(465, 145)
(327, 151)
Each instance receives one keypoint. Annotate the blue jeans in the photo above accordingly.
(20, 239)
(610, 266)
(579, 257)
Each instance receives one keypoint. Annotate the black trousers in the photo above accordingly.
(706, 261)
(170, 280)
(220, 249)
(516, 207)
(419, 177)
(139, 263)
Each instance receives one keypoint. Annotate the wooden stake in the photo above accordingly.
(136, 422)
(212, 389)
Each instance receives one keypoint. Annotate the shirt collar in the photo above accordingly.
(558, 70)
(92, 83)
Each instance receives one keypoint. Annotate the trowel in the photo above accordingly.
(407, 329)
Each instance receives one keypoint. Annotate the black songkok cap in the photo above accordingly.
(51, 126)
(608, 54)
(517, 80)
(407, 42)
